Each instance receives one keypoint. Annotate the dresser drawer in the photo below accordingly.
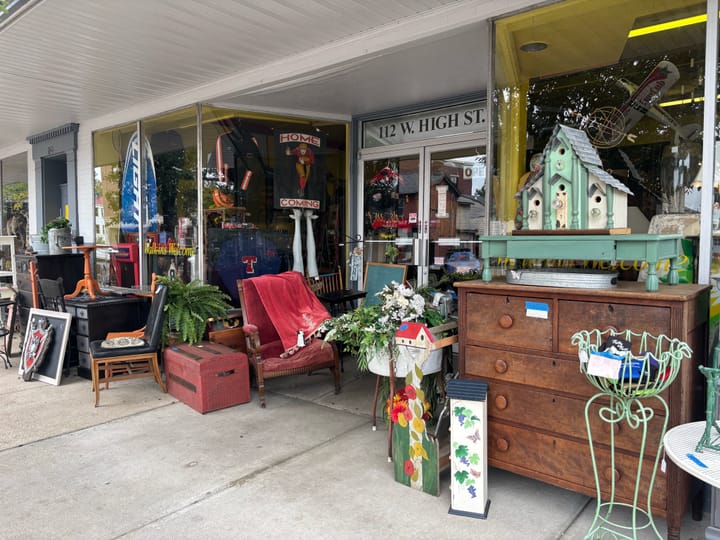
(575, 315)
(83, 344)
(504, 320)
(565, 416)
(557, 374)
(82, 327)
(567, 463)
(84, 361)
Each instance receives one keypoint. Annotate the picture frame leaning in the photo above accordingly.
(47, 348)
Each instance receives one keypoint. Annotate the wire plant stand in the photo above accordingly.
(645, 372)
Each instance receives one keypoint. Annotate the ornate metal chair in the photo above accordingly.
(281, 315)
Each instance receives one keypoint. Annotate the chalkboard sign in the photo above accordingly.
(50, 368)
(377, 275)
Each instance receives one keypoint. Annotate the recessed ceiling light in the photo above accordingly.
(533, 46)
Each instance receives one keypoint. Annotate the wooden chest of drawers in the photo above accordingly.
(93, 319)
(537, 394)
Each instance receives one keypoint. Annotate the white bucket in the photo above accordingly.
(379, 363)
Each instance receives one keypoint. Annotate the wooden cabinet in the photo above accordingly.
(537, 394)
(93, 319)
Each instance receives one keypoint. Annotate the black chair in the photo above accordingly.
(52, 294)
(8, 307)
(52, 297)
(132, 362)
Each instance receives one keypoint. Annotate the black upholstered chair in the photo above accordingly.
(123, 363)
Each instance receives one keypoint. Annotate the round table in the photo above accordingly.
(88, 282)
(680, 443)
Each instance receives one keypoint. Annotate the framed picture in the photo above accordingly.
(44, 347)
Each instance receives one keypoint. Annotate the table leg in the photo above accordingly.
(87, 282)
(486, 271)
(652, 283)
(673, 275)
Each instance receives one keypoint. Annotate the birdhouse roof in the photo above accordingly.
(586, 153)
(411, 330)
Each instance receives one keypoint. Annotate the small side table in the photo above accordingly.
(680, 443)
(88, 282)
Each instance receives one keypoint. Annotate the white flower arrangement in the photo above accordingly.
(368, 328)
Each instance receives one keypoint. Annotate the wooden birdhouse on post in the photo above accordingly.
(570, 190)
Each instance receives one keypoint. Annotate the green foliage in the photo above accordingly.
(190, 305)
(56, 223)
(17, 194)
(366, 329)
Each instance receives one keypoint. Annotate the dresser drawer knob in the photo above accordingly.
(501, 402)
(610, 473)
(501, 366)
(505, 321)
(502, 445)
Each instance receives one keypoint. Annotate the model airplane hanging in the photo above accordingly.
(607, 126)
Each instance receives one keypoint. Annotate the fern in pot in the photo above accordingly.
(188, 308)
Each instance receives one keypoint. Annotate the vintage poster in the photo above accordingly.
(300, 170)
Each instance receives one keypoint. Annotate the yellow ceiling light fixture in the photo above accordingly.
(670, 25)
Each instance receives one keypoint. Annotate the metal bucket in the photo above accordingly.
(57, 239)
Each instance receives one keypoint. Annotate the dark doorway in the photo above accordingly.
(54, 187)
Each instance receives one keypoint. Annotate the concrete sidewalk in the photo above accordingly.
(145, 466)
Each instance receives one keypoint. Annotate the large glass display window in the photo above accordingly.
(170, 240)
(14, 183)
(273, 195)
(146, 199)
(629, 87)
(265, 195)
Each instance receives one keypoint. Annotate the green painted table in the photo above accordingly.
(650, 248)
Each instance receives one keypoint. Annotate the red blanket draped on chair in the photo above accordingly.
(268, 306)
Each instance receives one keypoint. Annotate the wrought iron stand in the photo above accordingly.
(629, 396)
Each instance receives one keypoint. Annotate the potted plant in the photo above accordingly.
(189, 306)
(368, 332)
(56, 234)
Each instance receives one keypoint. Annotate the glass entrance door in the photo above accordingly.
(456, 214)
(425, 209)
(391, 217)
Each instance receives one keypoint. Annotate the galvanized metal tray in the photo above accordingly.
(564, 277)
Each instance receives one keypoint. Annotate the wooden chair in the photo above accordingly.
(268, 336)
(325, 285)
(117, 364)
(140, 331)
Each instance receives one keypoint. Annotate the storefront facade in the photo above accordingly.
(215, 192)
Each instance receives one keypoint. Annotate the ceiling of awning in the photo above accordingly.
(75, 60)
